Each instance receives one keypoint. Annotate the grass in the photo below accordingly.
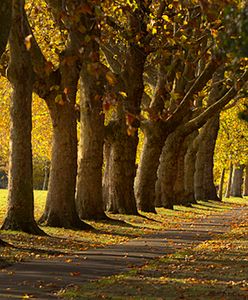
(216, 269)
(63, 241)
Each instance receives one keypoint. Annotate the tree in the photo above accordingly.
(168, 163)
(92, 88)
(245, 189)
(200, 17)
(5, 23)
(20, 214)
(184, 50)
(204, 181)
(231, 145)
(57, 84)
(237, 180)
(121, 134)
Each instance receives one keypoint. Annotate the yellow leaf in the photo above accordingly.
(154, 30)
(28, 41)
(111, 78)
(123, 94)
(166, 18)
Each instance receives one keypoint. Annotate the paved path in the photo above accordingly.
(43, 278)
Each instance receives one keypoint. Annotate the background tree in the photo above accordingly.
(20, 213)
(92, 89)
(5, 23)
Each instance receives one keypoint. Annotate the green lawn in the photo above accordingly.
(121, 229)
(216, 269)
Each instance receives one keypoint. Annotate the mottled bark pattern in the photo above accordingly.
(122, 171)
(237, 181)
(179, 187)
(245, 189)
(109, 206)
(229, 181)
(60, 210)
(20, 212)
(167, 171)
(222, 179)
(124, 146)
(147, 170)
(189, 163)
(204, 181)
(89, 183)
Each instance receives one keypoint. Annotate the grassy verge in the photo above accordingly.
(122, 228)
(215, 269)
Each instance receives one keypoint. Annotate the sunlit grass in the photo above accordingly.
(215, 269)
(121, 229)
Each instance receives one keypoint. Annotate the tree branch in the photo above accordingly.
(217, 106)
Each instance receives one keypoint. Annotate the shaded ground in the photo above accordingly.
(43, 278)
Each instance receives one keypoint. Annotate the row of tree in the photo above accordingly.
(165, 67)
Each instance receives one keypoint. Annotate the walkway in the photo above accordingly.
(43, 278)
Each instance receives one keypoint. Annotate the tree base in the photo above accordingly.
(53, 220)
(148, 210)
(168, 206)
(100, 217)
(121, 211)
(27, 227)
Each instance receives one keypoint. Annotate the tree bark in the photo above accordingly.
(46, 177)
(237, 181)
(229, 182)
(167, 171)
(184, 171)
(222, 178)
(5, 24)
(20, 212)
(124, 139)
(121, 173)
(89, 183)
(204, 181)
(147, 170)
(189, 162)
(60, 210)
(89, 193)
(245, 190)
(109, 206)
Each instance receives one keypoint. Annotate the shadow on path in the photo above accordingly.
(43, 278)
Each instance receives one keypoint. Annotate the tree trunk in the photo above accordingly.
(147, 170)
(121, 173)
(189, 162)
(167, 171)
(204, 181)
(5, 23)
(210, 141)
(46, 177)
(155, 134)
(60, 210)
(237, 181)
(179, 187)
(229, 182)
(89, 183)
(20, 213)
(222, 178)
(89, 196)
(124, 139)
(245, 190)
(109, 205)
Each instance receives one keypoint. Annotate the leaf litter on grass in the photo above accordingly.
(215, 269)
